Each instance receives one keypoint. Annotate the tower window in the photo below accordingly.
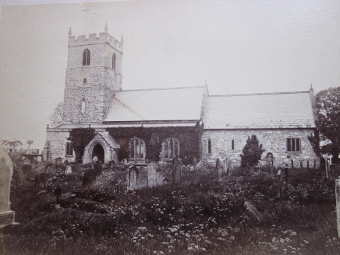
(86, 57)
(114, 61)
(209, 145)
(84, 80)
(232, 145)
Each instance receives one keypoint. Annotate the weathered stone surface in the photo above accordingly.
(273, 141)
(155, 177)
(6, 172)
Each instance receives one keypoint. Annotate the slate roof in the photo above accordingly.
(270, 110)
(175, 104)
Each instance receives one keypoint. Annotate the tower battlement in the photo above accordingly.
(94, 39)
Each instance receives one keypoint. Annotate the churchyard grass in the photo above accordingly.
(203, 217)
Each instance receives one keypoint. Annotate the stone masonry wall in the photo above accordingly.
(273, 141)
(94, 83)
(58, 140)
(101, 55)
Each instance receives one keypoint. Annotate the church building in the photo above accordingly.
(101, 119)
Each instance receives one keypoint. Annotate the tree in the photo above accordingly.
(328, 107)
(11, 144)
(251, 152)
(57, 116)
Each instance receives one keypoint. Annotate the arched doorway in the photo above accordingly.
(98, 151)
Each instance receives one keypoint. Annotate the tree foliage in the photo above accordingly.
(328, 106)
(57, 116)
(12, 144)
(80, 137)
(251, 152)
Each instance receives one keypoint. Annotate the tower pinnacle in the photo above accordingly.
(70, 32)
(106, 27)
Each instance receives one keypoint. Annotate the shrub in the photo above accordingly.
(251, 152)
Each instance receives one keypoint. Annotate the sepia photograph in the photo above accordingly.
(170, 127)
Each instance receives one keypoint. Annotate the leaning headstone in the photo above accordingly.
(6, 171)
(251, 208)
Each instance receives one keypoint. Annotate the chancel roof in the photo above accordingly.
(270, 110)
(175, 104)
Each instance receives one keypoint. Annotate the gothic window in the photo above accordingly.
(137, 149)
(232, 145)
(209, 145)
(293, 144)
(170, 148)
(114, 61)
(86, 57)
(69, 149)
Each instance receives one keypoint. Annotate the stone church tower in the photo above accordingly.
(93, 74)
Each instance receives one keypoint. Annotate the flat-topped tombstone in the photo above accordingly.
(6, 172)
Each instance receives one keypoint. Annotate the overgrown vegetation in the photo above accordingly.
(188, 138)
(203, 217)
(79, 138)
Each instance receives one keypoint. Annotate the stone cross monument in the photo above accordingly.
(6, 172)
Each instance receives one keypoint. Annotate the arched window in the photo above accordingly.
(137, 150)
(114, 61)
(86, 57)
(209, 145)
(170, 149)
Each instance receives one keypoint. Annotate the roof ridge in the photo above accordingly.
(150, 89)
(259, 94)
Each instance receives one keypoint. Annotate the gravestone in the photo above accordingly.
(137, 177)
(218, 169)
(178, 172)
(155, 177)
(251, 208)
(132, 177)
(6, 172)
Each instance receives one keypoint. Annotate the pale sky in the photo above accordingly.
(237, 46)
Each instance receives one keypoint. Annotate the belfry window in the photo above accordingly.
(232, 145)
(170, 148)
(114, 61)
(86, 57)
(137, 150)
